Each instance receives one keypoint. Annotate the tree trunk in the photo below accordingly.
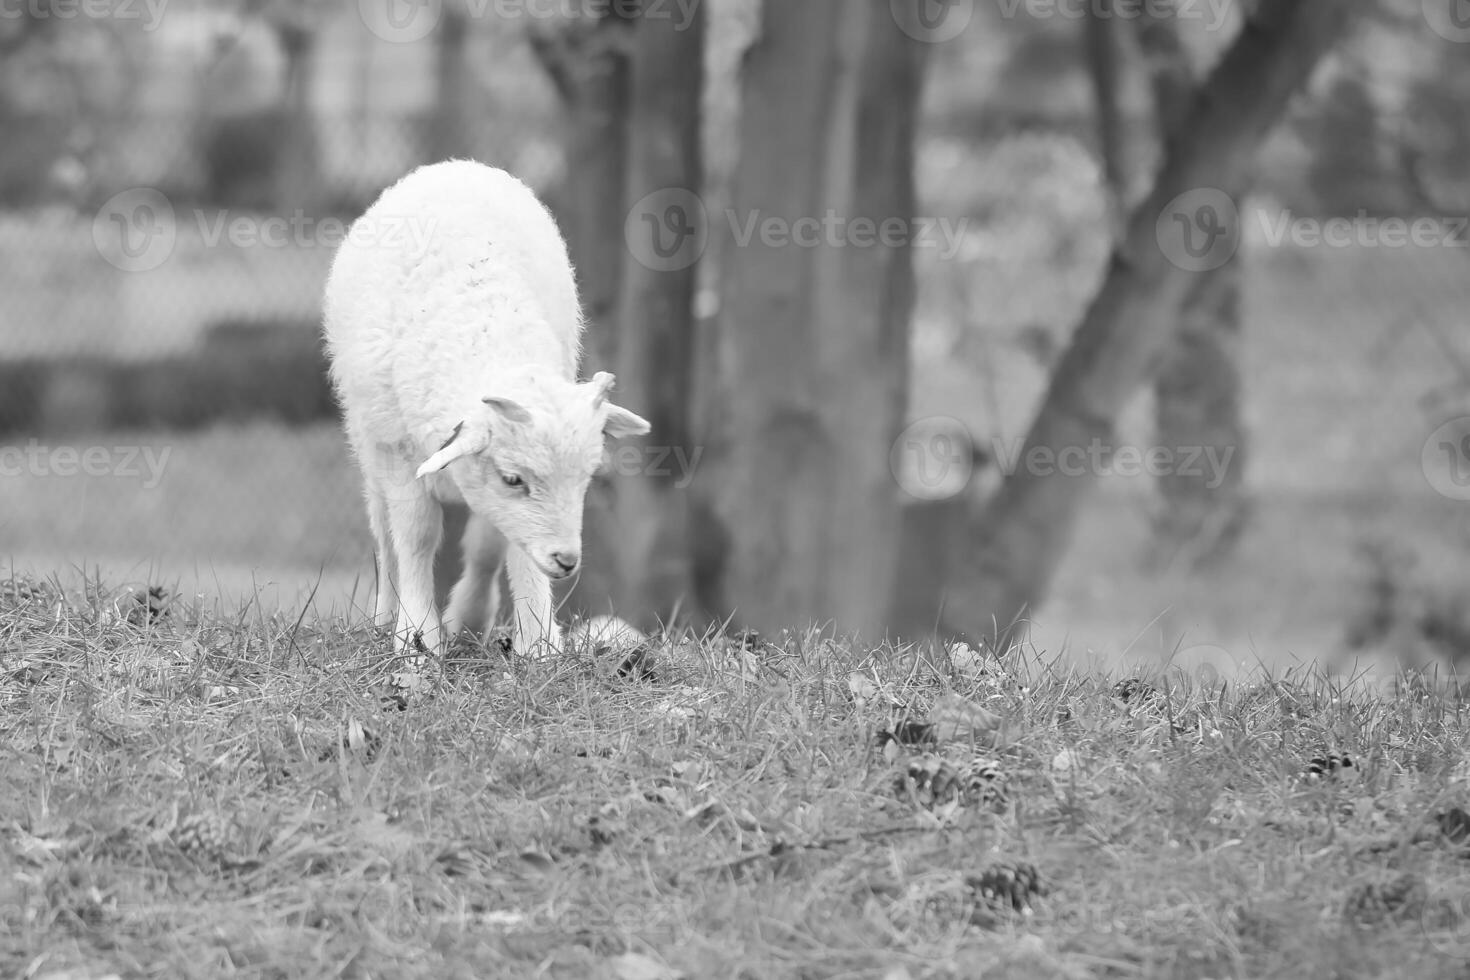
(589, 66)
(448, 129)
(1106, 65)
(814, 339)
(298, 169)
(1028, 525)
(590, 69)
(655, 357)
(1197, 390)
(1197, 406)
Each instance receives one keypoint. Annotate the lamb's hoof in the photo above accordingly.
(538, 650)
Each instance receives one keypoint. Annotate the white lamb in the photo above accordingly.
(454, 331)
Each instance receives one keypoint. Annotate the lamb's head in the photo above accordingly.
(526, 455)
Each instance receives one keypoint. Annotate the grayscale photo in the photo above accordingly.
(750, 489)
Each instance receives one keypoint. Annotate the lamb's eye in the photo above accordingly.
(514, 482)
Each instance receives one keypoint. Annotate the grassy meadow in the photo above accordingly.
(191, 794)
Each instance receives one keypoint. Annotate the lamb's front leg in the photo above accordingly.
(536, 634)
(417, 524)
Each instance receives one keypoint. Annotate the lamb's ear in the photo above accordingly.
(454, 447)
(621, 423)
(508, 409)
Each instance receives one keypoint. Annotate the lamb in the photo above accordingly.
(453, 330)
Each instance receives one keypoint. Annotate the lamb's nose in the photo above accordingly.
(566, 560)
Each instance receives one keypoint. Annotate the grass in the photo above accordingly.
(250, 796)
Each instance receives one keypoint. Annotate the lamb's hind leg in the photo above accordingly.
(475, 600)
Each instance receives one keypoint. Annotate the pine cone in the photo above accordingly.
(1329, 767)
(1375, 902)
(211, 836)
(932, 782)
(149, 606)
(1134, 689)
(1010, 884)
(985, 782)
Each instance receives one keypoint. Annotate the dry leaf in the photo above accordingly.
(966, 658)
(954, 717)
(863, 688)
(636, 966)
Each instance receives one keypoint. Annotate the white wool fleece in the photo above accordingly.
(423, 333)
(454, 353)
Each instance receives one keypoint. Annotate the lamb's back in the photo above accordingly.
(455, 272)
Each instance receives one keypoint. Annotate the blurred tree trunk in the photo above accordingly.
(590, 68)
(298, 167)
(1106, 63)
(589, 65)
(814, 340)
(655, 356)
(1197, 388)
(448, 129)
(1027, 527)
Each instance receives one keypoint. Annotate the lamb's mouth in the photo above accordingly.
(554, 572)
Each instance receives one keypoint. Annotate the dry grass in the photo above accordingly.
(200, 797)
